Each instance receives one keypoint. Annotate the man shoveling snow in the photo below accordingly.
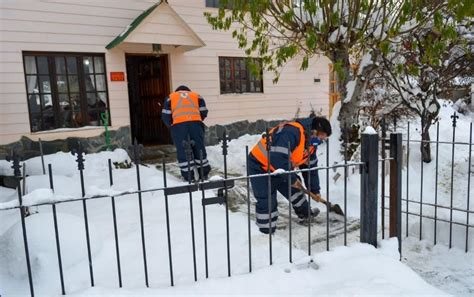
(290, 142)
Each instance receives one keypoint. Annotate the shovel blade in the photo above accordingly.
(337, 209)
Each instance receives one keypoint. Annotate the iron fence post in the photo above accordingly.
(346, 143)
(408, 178)
(56, 233)
(189, 157)
(327, 195)
(290, 206)
(15, 158)
(383, 155)
(168, 231)
(454, 117)
(225, 146)
(436, 184)
(248, 206)
(369, 189)
(269, 196)
(80, 166)
(114, 219)
(136, 148)
(396, 155)
(469, 164)
(204, 218)
(42, 155)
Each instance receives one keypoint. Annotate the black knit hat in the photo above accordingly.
(182, 88)
(321, 124)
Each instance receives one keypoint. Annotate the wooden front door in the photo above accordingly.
(148, 86)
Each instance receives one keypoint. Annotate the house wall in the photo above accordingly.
(87, 26)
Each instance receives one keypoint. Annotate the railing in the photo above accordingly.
(369, 192)
(413, 209)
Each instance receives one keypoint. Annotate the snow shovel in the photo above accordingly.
(332, 207)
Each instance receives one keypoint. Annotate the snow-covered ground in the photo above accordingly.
(357, 269)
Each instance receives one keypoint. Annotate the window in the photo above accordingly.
(65, 90)
(236, 76)
(212, 3)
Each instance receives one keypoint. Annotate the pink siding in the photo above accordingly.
(87, 26)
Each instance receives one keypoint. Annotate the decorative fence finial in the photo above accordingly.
(80, 155)
(15, 158)
(454, 117)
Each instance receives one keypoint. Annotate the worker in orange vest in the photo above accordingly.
(295, 142)
(183, 113)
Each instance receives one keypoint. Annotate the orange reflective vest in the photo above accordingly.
(185, 107)
(298, 157)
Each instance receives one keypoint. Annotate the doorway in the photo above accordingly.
(148, 87)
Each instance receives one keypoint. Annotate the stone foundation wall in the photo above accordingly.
(120, 138)
(237, 129)
(28, 148)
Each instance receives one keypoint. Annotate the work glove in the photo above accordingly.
(317, 197)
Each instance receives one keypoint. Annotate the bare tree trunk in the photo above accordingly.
(349, 113)
(425, 146)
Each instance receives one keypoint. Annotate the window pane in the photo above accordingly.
(244, 86)
(45, 85)
(60, 65)
(71, 65)
(34, 103)
(73, 84)
(42, 65)
(35, 122)
(88, 65)
(32, 83)
(76, 116)
(46, 101)
(223, 89)
(48, 112)
(94, 118)
(102, 99)
(99, 64)
(90, 83)
(91, 99)
(100, 82)
(30, 65)
(64, 101)
(61, 81)
(65, 111)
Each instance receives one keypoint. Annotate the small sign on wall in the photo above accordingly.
(117, 76)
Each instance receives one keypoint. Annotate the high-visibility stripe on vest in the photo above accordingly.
(299, 155)
(185, 107)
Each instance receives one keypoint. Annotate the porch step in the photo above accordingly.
(156, 153)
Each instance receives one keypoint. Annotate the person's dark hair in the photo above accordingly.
(321, 124)
(182, 88)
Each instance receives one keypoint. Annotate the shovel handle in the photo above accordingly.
(315, 198)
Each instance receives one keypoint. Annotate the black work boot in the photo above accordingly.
(305, 219)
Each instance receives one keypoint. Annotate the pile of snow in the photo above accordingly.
(356, 270)
(42, 245)
(236, 158)
(65, 163)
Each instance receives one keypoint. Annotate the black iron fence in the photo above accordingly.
(369, 177)
(415, 207)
